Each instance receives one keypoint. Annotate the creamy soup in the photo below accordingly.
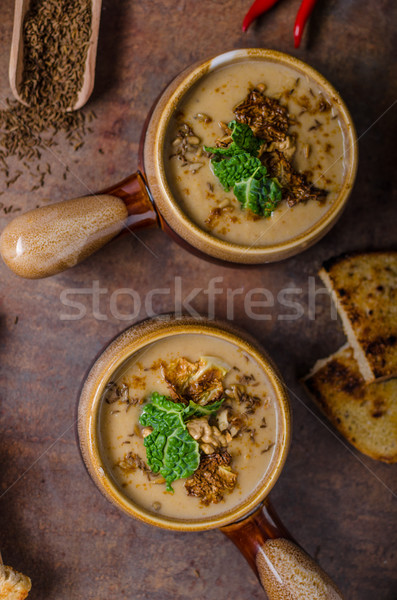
(319, 140)
(249, 404)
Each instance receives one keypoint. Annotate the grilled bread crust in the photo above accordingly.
(366, 415)
(364, 288)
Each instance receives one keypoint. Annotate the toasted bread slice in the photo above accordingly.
(365, 414)
(364, 287)
(13, 585)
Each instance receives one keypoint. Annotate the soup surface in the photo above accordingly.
(318, 136)
(245, 426)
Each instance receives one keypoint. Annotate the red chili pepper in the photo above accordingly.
(258, 8)
(304, 12)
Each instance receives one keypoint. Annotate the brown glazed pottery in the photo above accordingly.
(284, 569)
(50, 239)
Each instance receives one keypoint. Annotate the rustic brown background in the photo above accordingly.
(54, 524)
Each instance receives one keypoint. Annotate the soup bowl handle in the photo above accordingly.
(53, 238)
(283, 568)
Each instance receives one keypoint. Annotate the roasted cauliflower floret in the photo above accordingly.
(200, 381)
(213, 478)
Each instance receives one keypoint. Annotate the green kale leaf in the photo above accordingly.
(258, 193)
(170, 449)
(231, 170)
(243, 141)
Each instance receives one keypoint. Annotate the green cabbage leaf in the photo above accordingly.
(243, 141)
(196, 410)
(234, 169)
(170, 449)
(237, 166)
(258, 193)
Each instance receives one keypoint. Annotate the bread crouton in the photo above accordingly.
(13, 585)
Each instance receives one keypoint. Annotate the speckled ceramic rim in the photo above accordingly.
(120, 349)
(170, 210)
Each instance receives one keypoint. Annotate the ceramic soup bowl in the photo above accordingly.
(283, 568)
(177, 191)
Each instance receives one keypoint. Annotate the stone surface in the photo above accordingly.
(54, 524)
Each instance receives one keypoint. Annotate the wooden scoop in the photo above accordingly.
(17, 52)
